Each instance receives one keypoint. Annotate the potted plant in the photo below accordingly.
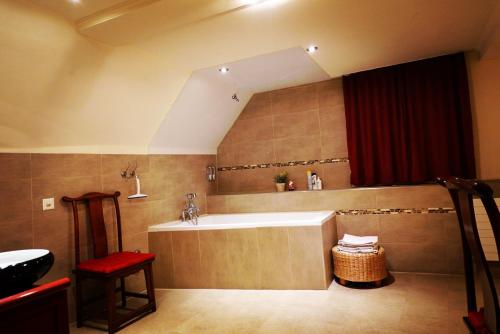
(281, 181)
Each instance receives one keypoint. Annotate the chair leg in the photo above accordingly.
(111, 304)
(122, 288)
(148, 275)
(79, 301)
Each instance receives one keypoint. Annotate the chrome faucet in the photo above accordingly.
(190, 212)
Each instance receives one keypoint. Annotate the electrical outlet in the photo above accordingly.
(48, 204)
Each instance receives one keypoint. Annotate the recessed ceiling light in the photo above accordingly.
(312, 49)
(74, 2)
(223, 70)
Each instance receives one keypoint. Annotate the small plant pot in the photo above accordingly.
(280, 187)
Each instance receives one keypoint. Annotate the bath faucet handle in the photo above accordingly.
(191, 195)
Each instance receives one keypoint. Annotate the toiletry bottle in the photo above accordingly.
(319, 184)
(314, 179)
(309, 180)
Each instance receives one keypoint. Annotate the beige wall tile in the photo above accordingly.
(15, 166)
(297, 124)
(415, 228)
(361, 225)
(427, 257)
(16, 234)
(348, 199)
(274, 258)
(306, 256)
(215, 269)
(330, 239)
(250, 203)
(16, 200)
(252, 129)
(186, 258)
(428, 196)
(298, 201)
(216, 204)
(334, 145)
(253, 180)
(448, 222)
(242, 248)
(160, 243)
(136, 218)
(297, 149)
(252, 153)
(294, 99)
(332, 120)
(454, 258)
(65, 165)
(336, 176)
(229, 182)
(330, 93)
(227, 155)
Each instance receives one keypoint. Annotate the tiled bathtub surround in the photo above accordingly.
(285, 258)
(291, 129)
(416, 224)
(27, 178)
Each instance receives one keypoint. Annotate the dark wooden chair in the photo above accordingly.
(487, 319)
(109, 267)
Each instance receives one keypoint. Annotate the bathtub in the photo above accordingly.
(279, 250)
(248, 220)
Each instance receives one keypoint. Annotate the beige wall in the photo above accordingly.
(27, 178)
(484, 77)
(294, 124)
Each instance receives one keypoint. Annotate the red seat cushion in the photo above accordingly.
(476, 319)
(114, 262)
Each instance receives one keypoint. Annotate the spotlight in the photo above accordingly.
(223, 70)
(312, 49)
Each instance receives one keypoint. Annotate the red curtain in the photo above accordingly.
(409, 123)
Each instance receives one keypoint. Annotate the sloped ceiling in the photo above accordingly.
(61, 91)
(205, 109)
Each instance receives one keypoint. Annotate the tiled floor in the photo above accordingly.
(412, 303)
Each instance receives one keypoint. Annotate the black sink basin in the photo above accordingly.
(20, 269)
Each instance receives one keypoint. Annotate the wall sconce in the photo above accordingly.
(211, 173)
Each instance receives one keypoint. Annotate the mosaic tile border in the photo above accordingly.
(354, 212)
(284, 164)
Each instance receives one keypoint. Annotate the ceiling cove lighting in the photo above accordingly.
(223, 70)
(312, 49)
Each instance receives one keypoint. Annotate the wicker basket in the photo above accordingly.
(359, 267)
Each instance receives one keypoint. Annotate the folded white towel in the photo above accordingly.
(354, 240)
(373, 249)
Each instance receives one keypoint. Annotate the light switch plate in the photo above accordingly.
(47, 204)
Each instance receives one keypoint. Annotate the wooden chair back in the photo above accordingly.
(94, 202)
(461, 192)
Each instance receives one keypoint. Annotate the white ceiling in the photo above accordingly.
(204, 110)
